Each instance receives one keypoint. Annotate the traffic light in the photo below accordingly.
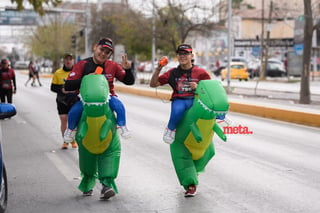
(74, 41)
(81, 32)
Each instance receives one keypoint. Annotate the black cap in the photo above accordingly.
(106, 42)
(184, 47)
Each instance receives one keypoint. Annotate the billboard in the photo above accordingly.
(14, 17)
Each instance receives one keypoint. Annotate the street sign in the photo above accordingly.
(298, 49)
(274, 42)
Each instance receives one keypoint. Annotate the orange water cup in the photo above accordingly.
(163, 61)
(98, 70)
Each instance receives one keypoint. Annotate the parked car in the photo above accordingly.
(6, 111)
(275, 68)
(234, 59)
(224, 63)
(238, 71)
(145, 66)
(21, 65)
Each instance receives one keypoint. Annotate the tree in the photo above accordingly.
(123, 26)
(176, 22)
(52, 41)
(305, 76)
(37, 4)
(135, 33)
(311, 24)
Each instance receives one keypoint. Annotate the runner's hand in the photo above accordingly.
(125, 63)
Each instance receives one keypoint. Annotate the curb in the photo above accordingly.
(41, 74)
(293, 116)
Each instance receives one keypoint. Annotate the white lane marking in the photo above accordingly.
(62, 167)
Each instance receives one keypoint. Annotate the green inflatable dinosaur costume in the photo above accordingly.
(193, 148)
(99, 143)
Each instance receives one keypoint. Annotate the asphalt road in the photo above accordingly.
(274, 169)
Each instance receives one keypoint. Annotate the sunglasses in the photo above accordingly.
(183, 53)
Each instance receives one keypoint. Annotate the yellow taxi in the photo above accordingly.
(238, 71)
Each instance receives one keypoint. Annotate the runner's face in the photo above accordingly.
(184, 57)
(68, 61)
(101, 54)
(5, 65)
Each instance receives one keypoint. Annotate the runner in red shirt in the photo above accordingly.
(8, 85)
(102, 51)
(183, 80)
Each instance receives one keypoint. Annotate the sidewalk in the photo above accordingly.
(291, 86)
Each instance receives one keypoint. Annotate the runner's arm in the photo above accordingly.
(14, 83)
(154, 82)
(71, 85)
(129, 77)
(57, 88)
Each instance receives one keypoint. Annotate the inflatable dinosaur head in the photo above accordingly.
(94, 98)
(211, 99)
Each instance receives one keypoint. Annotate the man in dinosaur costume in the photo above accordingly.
(193, 148)
(99, 143)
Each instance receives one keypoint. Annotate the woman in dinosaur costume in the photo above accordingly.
(184, 117)
(193, 147)
(99, 143)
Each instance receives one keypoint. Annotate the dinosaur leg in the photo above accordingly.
(108, 164)
(88, 168)
(203, 161)
(184, 165)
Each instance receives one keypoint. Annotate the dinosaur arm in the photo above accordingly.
(82, 127)
(82, 130)
(105, 128)
(218, 130)
(196, 132)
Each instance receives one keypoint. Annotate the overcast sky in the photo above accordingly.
(8, 2)
(133, 3)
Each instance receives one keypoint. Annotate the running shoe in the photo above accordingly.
(191, 192)
(64, 146)
(74, 144)
(106, 192)
(88, 193)
(124, 132)
(69, 135)
(169, 135)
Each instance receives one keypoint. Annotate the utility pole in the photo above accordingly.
(262, 68)
(86, 31)
(153, 36)
(268, 40)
